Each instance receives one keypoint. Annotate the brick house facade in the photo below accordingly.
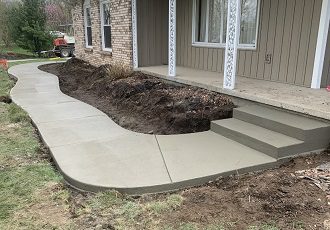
(121, 33)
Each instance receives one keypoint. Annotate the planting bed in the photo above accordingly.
(140, 102)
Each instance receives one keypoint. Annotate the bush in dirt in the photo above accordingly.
(28, 21)
(115, 71)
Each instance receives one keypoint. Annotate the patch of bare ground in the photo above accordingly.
(50, 209)
(140, 102)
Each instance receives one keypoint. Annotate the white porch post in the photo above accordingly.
(134, 33)
(232, 38)
(321, 45)
(172, 39)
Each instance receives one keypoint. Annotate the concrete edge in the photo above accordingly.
(154, 189)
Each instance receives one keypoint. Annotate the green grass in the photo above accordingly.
(18, 184)
(264, 227)
(158, 207)
(23, 171)
(15, 49)
(5, 83)
(105, 200)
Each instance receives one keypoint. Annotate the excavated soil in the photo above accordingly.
(140, 102)
(274, 196)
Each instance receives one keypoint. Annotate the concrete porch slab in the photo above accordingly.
(313, 102)
(94, 153)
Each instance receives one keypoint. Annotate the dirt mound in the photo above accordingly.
(141, 102)
(75, 64)
(5, 99)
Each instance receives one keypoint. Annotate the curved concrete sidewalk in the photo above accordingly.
(94, 153)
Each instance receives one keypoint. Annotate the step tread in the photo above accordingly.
(286, 118)
(272, 138)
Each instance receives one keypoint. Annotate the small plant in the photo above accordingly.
(264, 227)
(157, 207)
(117, 71)
(130, 210)
(172, 202)
(216, 227)
(188, 226)
(104, 200)
(61, 195)
(299, 225)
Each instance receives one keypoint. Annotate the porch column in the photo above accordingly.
(232, 38)
(172, 39)
(321, 45)
(134, 33)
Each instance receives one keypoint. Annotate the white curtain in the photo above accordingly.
(214, 21)
(248, 22)
(211, 21)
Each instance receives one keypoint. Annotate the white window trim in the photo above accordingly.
(102, 25)
(86, 6)
(222, 45)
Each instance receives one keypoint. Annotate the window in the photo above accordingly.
(105, 25)
(210, 23)
(88, 24)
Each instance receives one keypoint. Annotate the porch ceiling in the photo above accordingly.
(313, 102)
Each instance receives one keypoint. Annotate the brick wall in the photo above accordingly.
(121, 29)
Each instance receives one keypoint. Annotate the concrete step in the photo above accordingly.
(292, 125)
(272, 143)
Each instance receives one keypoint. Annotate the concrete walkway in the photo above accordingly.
(94, 153)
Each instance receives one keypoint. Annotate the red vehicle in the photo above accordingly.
(64, 46)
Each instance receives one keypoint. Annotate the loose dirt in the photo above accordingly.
(5, 99)
(273, 196)
(140, 102)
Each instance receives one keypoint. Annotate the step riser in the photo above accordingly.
(305, 135)
(257, 144)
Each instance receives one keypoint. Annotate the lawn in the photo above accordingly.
(15, 49)
(33, 195)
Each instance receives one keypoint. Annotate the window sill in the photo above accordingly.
(106, 52)
(89, 49)
(222, 46)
